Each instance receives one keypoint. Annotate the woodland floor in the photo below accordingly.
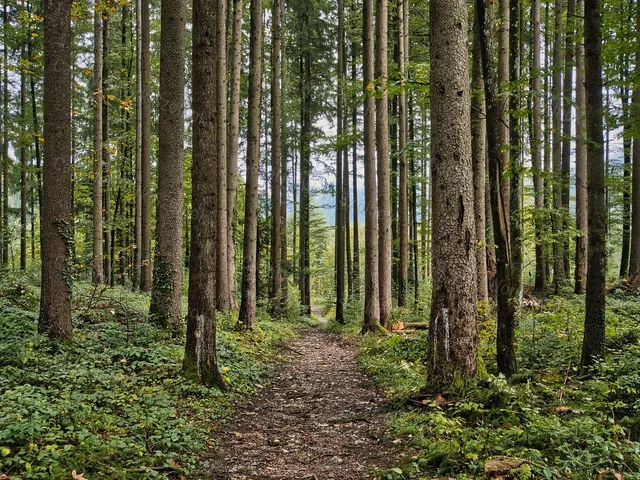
(319, 418)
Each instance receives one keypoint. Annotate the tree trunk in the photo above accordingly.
(594, 325)
(56, 242)
(536, 153)
(453, 329)
(626, 186)
(166, 296)
(383, 172)
(23, 168)
(106, 154)
(354, 160)
(223, 296)
(581, 167)
(371, 279)
(340, 230)
(505, 345)
(566, 128)
(145, 251)
(200, 351)
(403, 206)
(559, 273)
(478, 152)
(305, 172)
(232, 143)
(137, 252)
(276, 157)
(634, 263)
(5, 146)
(249, 259)
(97, 264)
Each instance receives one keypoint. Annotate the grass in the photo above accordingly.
(114, 404)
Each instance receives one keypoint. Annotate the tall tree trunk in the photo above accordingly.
(549, 247)
(453, 329)
(106, 154)
(403, 206)
(305, 172)
(559, 273)
(383, 172)
(340, 230)
(200, 351)
(166, 296)
(505, 345)
(34, 116)
(223, 296)
(634, 263)
(137, 262)
(98, 254)
(581, 167)
(145, 251)
(23, 167)
(250, 246)
(354, 169)
(593, 345)
(536, 152)
(55, 242)
(276, 156)
(371, 278)
(478, 152)
(626, 195)
(232, 143)
(566, 128)
(5, 145)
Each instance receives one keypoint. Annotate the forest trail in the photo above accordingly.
(319, 418)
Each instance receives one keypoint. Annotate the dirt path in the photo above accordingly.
(320, 418)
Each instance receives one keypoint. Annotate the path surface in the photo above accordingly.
(320, 418)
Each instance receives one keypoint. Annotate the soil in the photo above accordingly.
(320, 418)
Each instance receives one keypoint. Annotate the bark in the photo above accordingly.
(403, 207)
(634, 262)
(145, 251)
(626, 195)
(453, 329)
(200, 350)
(354, 169)
(536, 153)
(223, 297)
(232, 142)
(383, 172)
(581, 167)
(594, 325)
(250, 245)
(276, 157)
(371, 279)
(166, 296)
(137, 252)
(97, 264)
(478, 152)
(5, 146)
(505, 344)
(23, 168)
(340, 230)
(305, 172)
(55, 242)
(559, 273)
(106, 161)
(34, 116)
(566, 127)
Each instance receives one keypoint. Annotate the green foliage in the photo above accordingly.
(564, 425)
(114, 403)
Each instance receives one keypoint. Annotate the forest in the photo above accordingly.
(320, 239)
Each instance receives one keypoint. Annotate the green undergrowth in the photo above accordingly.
(566, 424)
(114, 404)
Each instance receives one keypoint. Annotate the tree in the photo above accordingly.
(276, 154)
(581, 167)
(371, 279)
(137, 252)
(55, 243)
(453, 331)
(223, 297)
(23, 166)
(634, 263)
(403, 206)
(594, 323)
(166, 296)
(382, 150)
(200, 351)
(232, 142)
(145, 151)
(97, 263)
(340, 214)
(506, 288)
(559, 274)
(250, 245)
